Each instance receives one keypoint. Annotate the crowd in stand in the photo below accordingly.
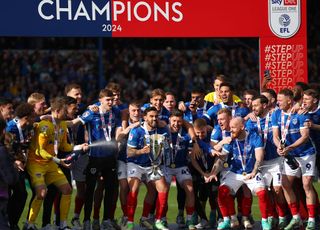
(137, 71)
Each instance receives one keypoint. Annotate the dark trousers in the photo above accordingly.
(4, 221)
(105, 167)
(17, 200)
(204, 191)
(181, 196)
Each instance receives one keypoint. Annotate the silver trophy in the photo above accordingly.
(156, 143)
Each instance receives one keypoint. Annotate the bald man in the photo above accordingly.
(245, 153)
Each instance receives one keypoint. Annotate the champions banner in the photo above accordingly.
(274, 22)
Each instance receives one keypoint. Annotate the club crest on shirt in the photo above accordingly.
(86, 114)
(294, 121)
(44, 128)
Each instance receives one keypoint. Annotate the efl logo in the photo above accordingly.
(290, 2)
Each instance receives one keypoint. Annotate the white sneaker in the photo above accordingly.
(160, 226)
(246, 223)
(203, 224)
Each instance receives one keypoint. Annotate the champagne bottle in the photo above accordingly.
(290, 160)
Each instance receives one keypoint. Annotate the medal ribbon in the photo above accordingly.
(107, 133)
(284, 127)
(56, 136)
(243, 155)
(175, 147)
(233, 108)
(204, 109)
(224, 134)
(265, 130)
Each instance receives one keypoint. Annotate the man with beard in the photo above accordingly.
(145, 144)
(292, 140)
(272, 99)
(156, 100)
(271, 166)
(246, 152)
(177, 164)
(298, 90)
(226, 93)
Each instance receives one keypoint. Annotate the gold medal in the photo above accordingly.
(172, 165)
(225, 165)
(244, 173)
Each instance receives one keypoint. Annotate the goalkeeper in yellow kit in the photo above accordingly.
(42, 165)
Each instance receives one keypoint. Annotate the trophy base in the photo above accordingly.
(155, 174)
(155, 177)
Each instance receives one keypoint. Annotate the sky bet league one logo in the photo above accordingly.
(284, 17)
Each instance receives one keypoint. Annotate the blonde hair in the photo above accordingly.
(158, 92)
(35, 98)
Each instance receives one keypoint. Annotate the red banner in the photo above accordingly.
(283, 44)
(286, 59)
(185, 18)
